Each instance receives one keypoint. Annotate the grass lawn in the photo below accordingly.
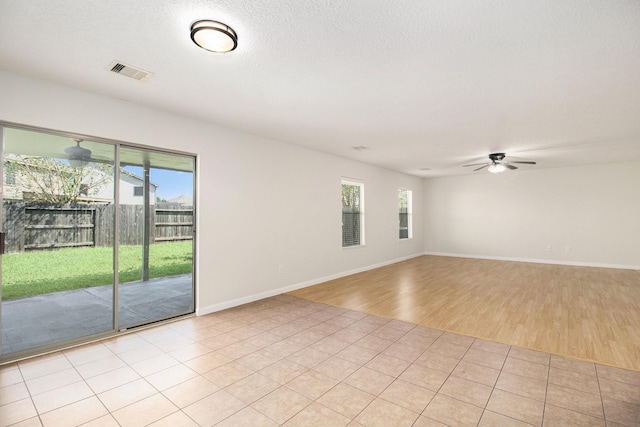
(39, 272)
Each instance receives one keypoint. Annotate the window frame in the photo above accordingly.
(361, 213)
(409, 214)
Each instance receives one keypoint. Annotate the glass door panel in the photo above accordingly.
(58, 215)
(156, 229)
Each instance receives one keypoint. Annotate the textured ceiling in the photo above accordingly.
(423, 84)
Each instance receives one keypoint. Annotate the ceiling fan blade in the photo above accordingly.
(525, 163)
(508, 166)
(475, 170)
(475, 164)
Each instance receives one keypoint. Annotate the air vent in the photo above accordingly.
(129, 71)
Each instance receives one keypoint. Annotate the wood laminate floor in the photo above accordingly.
(582, 312)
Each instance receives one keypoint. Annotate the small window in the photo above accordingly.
(352, 213)
(138, 191)
(404, 213)
(10, 179)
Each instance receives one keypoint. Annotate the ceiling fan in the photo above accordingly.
(498, 163)
(78, 156)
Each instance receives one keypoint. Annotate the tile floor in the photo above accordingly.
(288, 361)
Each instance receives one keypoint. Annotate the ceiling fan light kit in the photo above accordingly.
(497, 168)
(498, 164)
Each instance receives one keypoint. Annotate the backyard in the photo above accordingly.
(33, 273)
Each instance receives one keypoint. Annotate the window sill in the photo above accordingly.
(350, 248)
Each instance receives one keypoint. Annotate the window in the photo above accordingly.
(404, 213)
(9, 178)
(352, 213)
(138, 191)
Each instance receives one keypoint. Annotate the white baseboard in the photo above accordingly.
(262, 295)
(538, 261)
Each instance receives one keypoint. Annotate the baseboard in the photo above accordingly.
(538, 261)
(236, 302)
(262, 295)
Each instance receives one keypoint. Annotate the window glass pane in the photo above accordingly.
(352, 214)
(156, 236)
(404, 213)
(58, 211)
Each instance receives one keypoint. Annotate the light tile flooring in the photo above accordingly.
(288, 361)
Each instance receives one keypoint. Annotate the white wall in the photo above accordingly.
(594, 210)
(261, 203)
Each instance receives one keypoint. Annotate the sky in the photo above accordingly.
(171, 184)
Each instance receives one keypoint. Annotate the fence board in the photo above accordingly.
(32, 226)
(50, 226)
(103, 225)
(173, 223)
(13, 225)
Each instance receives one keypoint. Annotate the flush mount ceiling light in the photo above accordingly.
(214, 36)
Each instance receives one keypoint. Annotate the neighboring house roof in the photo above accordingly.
(183, 200)
(134, 176)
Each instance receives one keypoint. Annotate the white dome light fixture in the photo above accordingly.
(214, 36)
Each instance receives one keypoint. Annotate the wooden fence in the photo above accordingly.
(32, 226)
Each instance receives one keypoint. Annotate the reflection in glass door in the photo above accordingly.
(57, 211)
(156, 223)
(98, 238)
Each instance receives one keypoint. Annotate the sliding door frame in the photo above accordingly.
(116, 329)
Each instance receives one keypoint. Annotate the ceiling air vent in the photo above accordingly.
(129, 71)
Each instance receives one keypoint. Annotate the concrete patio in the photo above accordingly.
(49, 318)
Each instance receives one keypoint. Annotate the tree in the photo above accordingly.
(403, 201)
(350, 196)
(55, 180)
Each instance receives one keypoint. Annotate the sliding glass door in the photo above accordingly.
(57, 207)
(155, 260)
(98, 237)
